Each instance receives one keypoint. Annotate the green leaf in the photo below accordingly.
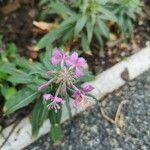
(7, 68)
(108, 14)
(21, 78)
(21, 99)
(56, 133)
(60, 8)
(55, 117)
(49, 38)
(87, 77)
(89, 28)
(98, 36)
(39, 114)
(12, 49)
(68, 36)
(103, 29)
(8, 92)
(80, 24)
(84, 43)
(68, 107)
(45, 58)
(24, 63)
(43, 2)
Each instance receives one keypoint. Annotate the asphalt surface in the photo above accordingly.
(91, 131)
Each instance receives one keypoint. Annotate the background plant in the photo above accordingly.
(8, 54)
(127, 11)
(34, 77)
(82, 19)
(87, 20)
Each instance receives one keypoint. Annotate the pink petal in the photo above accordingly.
(47, 97)
(81, 61)
(68, 62)
(59, 100)
(55, 61)
(74, 57)
(76, 94)
(88, 88)
(75, 104)
(79, 72)
(57, 53)
(56, 57)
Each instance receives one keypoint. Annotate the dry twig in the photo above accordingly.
(118, 114)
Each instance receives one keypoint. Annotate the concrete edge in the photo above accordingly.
(104, 83)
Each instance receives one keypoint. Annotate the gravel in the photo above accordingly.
(91, 131)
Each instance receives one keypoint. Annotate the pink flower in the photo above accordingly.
(59, 57)
(88, 88)
(47, 97)
(78, 98)
(56, 99)
(77, 63)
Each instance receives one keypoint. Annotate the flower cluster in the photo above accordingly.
(71, 69)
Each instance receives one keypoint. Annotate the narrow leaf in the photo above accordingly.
(80, 24)
(39, 114)
(21, 99)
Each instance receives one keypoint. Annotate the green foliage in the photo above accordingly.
(55, 119)
(87, 20)
(22, 98)
(29, 75)
(79, 20)
(127, 12)
(39, 114)
(8, 55)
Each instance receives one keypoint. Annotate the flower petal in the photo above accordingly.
(59, 100)
(57, 53)
(74, 57)
(55, 61)
(75, 104)
(56, 57)
(88, 88)
(47, 97)
(81, 61)
(79, 72)
(76, 94)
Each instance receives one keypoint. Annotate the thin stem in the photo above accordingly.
(68, 107)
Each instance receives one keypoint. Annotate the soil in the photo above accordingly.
(16, 26)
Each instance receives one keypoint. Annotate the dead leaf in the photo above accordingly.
(123, 46)
(113, 37)
(32, 55)
(120, 121)
(110, 24)
(45, 25)
(32, 48)
(134, 45)
(10, 7)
